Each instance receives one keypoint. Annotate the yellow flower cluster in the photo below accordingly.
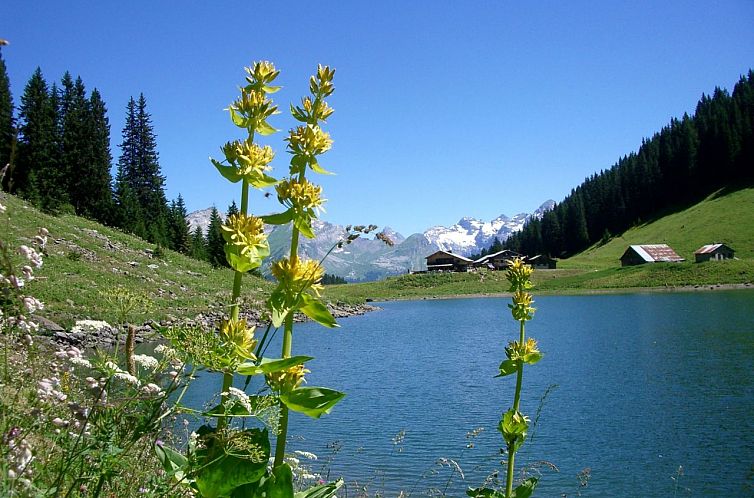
(261, 72)
(321, 84)
(251, 159)
(244, 231)
(519, 275)
(287, 380)
(305, 274)
(300, 194)
(312, 111)
(308, 140)
(515, 351)
(237, 335)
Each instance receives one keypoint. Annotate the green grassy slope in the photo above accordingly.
(86, 258)
(725, 218)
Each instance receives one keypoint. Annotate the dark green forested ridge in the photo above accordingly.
(59, 157)
(687, 160)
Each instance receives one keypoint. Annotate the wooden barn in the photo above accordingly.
(649, 253)
(496, 261)
(447, 261)
(713, 252)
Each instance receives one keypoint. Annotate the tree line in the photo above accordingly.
(56, 144)
(687, 160)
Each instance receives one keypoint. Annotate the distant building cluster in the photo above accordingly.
(447, 261)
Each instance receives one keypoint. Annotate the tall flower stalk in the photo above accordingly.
(245, 161)
(299, 280)
(514, 424)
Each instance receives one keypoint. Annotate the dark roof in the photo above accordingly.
(449, 254)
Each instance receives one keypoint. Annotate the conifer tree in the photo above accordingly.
(198, 245)
(37, 154)
(215, 241)
(76, 146)
(232, 209)
(92, 192)
(180, 235)
(139, 175)
(7, 124)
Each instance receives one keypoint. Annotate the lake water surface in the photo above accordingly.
(645, 384)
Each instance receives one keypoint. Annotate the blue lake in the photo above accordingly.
(644, 384)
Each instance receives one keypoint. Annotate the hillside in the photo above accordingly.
(723, 217)
(86, 259)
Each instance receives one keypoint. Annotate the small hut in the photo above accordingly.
(713, 252)
(447, 261)
(649, 253)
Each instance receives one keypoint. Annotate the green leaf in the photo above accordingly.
(311, 401)
(278, 218)
(271, 89)
(222, 471)
(229, 172)
(317, 311)
(280, 484)
(268, 365)
(314, 165)
(525, 489)
(304, 225)
(508, 367)
(279, 306)
(238, 410)
(532, 358)
(237, 119)
(322, 491)
(263, 181)
(245, 262)
(298, 164)
(265, 129)
(174, 463)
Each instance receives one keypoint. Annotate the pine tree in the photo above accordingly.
(215, 241)
(198, 245)
(7, 124)
(180, 235)
(35, 171)
(232, 209)
(97, 200)
(76, 150)
(139, 170)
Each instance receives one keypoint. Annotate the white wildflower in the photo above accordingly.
(2, 208)
(16, 282)
(146, 361)
(28, 272)
(127, 377)
(306, 454)
(32, 304)
(81, 362)
(241, 397)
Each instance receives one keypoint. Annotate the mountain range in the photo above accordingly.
(372, 259)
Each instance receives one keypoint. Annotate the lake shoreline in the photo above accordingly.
(578, 292)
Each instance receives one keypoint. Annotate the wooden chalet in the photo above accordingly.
(713, 252)
(649, 253)
(447, 261)
(542, 262)
(496, 261)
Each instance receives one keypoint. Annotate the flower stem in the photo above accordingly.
(516, 402)
(287, 349)
(222, 422)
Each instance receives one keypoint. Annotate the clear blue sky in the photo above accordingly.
(443, 109)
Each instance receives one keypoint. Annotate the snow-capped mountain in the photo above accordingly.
(368, 258)
(470, 235)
